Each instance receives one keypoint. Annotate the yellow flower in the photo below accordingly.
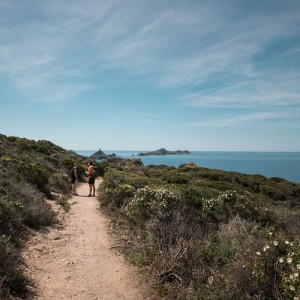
(5, 158)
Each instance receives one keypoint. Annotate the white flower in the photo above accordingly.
(292, 288)
(296, 298)
(289, 260)
(258, 253)
(275, 243)
(298, 266)
(296, 275)
(291, 244)
(281, 260)
(287, 242)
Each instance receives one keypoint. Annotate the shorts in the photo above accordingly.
(73, 180)
(91, 180)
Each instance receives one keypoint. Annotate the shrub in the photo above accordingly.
(36, 175)
(254, 208)
(119, 186)
(150, 202)
(11, 219)
(195, 195)
(12, 280)
(276, 269)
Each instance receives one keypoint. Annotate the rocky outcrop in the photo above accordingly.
(101, 155)
(163, 151)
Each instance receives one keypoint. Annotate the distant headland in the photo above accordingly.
(101, 155)
(163, 151)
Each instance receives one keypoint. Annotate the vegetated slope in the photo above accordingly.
(207, 234)
(29, 171)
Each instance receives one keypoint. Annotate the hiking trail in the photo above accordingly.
(76, 259)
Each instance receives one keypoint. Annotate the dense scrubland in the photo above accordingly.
(196, 233)
(206, 234)
(30, 172)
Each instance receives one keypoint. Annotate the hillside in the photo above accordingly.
(30, 171)
(207, 234)
(196, 233)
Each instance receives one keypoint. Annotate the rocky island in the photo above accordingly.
(163, 151)
(101, 155)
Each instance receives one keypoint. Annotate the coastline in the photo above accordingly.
(284, 165)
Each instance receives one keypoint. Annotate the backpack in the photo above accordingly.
(72, 172)
(95, 172)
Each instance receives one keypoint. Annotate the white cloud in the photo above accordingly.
(172, 46)
(269, 118)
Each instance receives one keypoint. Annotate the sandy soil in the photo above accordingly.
(77, 260)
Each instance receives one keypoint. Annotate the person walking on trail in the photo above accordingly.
(74, 179)
(91, 179)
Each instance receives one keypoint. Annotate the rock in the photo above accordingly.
(101, 155)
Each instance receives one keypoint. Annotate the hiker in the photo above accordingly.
(91, 179)
(74, 179)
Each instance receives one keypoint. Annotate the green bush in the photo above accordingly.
(36, 175)
(11, 219)
(195, 195)
(119, 186)
(217, 253)
(12, 280)
(276, 269)
(150, 201)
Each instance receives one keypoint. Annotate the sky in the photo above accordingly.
(217, 75)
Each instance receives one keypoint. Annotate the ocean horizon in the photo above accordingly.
(284, 165)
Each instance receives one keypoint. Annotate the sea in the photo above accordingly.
(284, 165)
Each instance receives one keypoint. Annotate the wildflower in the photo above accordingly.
(296, 275)
(296, 298)
(292, 288)
(289, 260)
(298, 266)
(275, 243)
(281, 260)
(291, 244)
(258, 253)
(287, 242)
(270, 233)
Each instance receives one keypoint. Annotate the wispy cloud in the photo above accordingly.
(265, 90)
(198, 46)
(275, 118)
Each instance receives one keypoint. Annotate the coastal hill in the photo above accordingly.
(163, 151)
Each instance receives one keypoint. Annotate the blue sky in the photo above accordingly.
(144, 74)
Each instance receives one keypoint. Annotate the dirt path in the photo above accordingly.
(76, 260)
